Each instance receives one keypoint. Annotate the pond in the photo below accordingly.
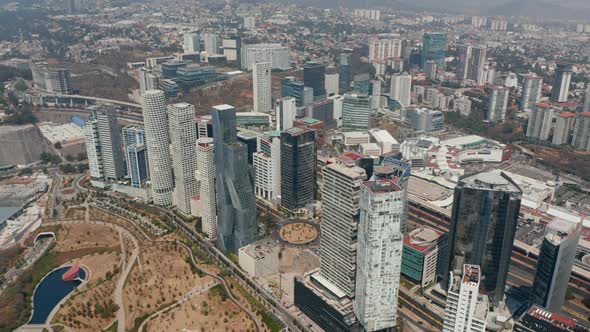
(50, 291)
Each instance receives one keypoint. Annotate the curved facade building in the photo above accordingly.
(483, 226)
(157, 138)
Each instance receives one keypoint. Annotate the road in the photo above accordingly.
(35, 253)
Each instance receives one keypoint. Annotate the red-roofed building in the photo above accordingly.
(538, 319)
(423, 255)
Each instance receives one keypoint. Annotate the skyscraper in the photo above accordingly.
(465, 310)
(298, 168)
(554, 266)
(261, 79)
(236, 202)
(384, 48)
(401, 86)
(157, 139)
(340, 217)
(531, 92)
(290, 87)
(379, 255)
(582, 132)
(267, 165)
(206, 181)
(477, 61)
(286, 113)
(498, 103)
(464, 59)
(356, 112)
(430, 69)
(540, 121)
(564, 126)
(587, 100)
(103, 145)
(136, 155)
(561, 82)
(183, 136)
(483, 226)
(434, 47)
(344, 63)
(211, 41)
(192, 43)
(314, 76)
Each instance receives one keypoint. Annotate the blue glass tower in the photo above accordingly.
(434, 47)
(234, 185)
(136, 155)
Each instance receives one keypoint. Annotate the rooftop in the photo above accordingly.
(422, 238)
(223, 107)
(490, 181)
(556, 320)
(382, 186)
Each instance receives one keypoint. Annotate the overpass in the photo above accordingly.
(77, 100)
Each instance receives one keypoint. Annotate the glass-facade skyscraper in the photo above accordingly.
(483, 226)
(236, 202)
(314, 76)
(434, 47)
(136, 155)
(298, 168)
(290, 87)
(344, 63)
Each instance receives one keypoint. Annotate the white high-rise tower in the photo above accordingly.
(206, 177)
(587, 100)
(157, 138)
(261, 79)
(400, 89)
(466, 310)
(379, 254)
(183, 135)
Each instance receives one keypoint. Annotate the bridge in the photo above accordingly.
(43, 235)
(75, 100)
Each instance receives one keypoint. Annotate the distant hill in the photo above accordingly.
(564, 9)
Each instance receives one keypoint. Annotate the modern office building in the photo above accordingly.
(497, 104)
(147, 80)
(192, 43)
(157, 138)
(232, 48)
(581, 139)
(249, 22)
(314, 76)
(276, 54)
(51, 79)
(531, 91)
(134, 146)
(540, 121)
(298, 168)
(434, 47)
(586, 107)
(356, 112)
(424, 255)
(555, 262)
(483, 226)
(103, 145)
(205, 176)
(261, 79)
(430, 69)
(561, 83)
(286, 113)
(211, 42)
(401, 86)
(463, 65)
(477, 60)
(384, 48)
(250, 139)
(344, 63)
(379, 254)
(290, 87)
(564, 126)
(466, 310)
(340, 218)
(183, 136)
(236, 202)
(424, 120)
(331, 84)
(267, 167)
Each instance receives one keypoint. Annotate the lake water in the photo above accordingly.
(50, 292)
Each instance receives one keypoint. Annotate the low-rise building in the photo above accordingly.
(260, 259)
(423, 255)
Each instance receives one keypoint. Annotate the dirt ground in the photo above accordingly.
(75, 213)
(294, 262)
(79, 312)
(204, 312)
(86, 236)
(161, 276)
